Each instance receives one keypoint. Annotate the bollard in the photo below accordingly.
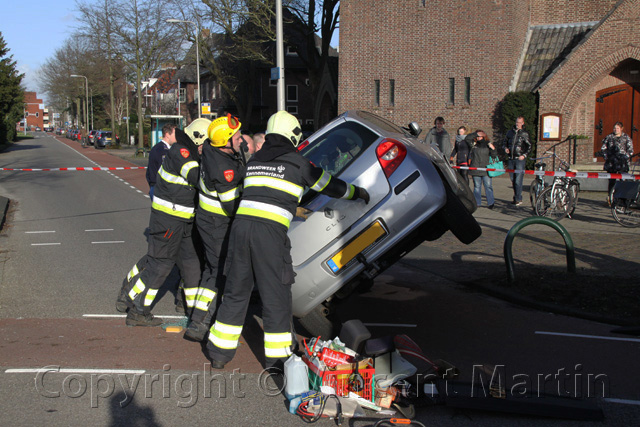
(508, 243)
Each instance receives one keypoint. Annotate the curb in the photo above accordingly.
(4, 207)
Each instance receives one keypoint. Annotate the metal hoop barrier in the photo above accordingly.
(508, 243)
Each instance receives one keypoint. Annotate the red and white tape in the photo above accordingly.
(73, 169)
(596, 175)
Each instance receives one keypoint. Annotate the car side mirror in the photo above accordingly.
(414, 129)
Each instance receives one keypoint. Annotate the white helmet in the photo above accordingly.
(286, 125)
(197, 130)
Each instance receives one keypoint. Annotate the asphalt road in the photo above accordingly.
(72, 236)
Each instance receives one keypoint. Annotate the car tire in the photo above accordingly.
(317, 323)
(458, 218)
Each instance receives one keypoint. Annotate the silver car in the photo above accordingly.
(415, 196)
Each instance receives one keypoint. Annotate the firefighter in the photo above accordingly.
(221, 173)
(170, 229)
(259, 248)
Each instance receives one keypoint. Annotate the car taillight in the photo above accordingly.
(390, 154)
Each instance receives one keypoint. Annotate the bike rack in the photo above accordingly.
(508, 243)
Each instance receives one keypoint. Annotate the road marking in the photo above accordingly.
(101, 229)
(38, 232)
(623, 401)
(111, 316)
(147, 196)
(45, 244)
(597, 337)
(399, 325)
(112, 241)
(74, 371)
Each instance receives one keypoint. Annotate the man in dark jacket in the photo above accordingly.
(221, 174)
(170, 228)
(517, 145)
(259, 246)
(157, 153)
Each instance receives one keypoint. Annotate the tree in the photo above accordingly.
(11, 94)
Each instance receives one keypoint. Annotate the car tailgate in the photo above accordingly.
(333, 218)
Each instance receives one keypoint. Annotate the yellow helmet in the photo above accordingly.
(197, 130)
(286, 125)
(223, 128)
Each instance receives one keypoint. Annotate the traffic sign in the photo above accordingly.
(275, 73)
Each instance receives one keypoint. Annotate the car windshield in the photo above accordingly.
(337, 148)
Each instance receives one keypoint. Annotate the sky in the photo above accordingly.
(33, 30)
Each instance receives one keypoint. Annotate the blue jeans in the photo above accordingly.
(478, 181)
(516, 178)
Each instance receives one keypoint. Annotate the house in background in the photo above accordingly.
(458, 59)
(34, 111)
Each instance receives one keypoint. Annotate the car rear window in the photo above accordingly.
(380, 122)
(340, 146)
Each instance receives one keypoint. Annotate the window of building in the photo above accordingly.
(37, 114)
(195, 95)
(467, 90)
(452, 91)
(273, 83)
(183, 95)
(292, 93)
(422, 3)
(293, 109)
(376, 88)
(392, 92)
(291, 51)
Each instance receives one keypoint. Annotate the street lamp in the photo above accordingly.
(177, 21)
(86, 104)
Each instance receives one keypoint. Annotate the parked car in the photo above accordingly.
(102, 139)
(90, 137)
(343, 245)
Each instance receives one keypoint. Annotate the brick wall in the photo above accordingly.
(421, 48)
(566, 11)
(604, 60)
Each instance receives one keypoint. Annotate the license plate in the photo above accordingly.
(357, 245)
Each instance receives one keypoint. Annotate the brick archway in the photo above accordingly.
(596, 72)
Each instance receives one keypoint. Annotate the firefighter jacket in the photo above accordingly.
(275, 179)
(175, 190)
(220, 183)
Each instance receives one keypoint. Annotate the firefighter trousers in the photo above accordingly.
(260, 254)
(214, 232)
(170, 242)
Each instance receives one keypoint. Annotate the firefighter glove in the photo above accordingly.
(361, 193)
(303, 213)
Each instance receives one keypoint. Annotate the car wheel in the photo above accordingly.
(461, 223)
(317, 323)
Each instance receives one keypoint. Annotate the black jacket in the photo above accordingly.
(461, 148)
(517, 141)
(175, 191)
(480, 155)
(156, 156)
(220, 184)
(275, 179)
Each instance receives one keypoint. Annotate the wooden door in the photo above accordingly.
(617, 104)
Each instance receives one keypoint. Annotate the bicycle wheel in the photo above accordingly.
(535, 189)
(626, 212)
(554, 202)
(574, 189)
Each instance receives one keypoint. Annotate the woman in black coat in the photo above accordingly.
(479, 157)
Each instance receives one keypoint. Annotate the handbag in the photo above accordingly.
(495, 164)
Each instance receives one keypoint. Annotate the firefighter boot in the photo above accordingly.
(196, 331)
(135, 318)
(122, 303)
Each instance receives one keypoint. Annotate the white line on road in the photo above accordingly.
(597, 337)
(45, 244)
(38, 232)
(399, 325)
(74, 371)
(113, 241)
(101, 229)
(623, 401)
(110, 316)
(131, 186)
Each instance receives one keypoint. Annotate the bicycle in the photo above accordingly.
(625, 200)
(538, 184)
(560, 198)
